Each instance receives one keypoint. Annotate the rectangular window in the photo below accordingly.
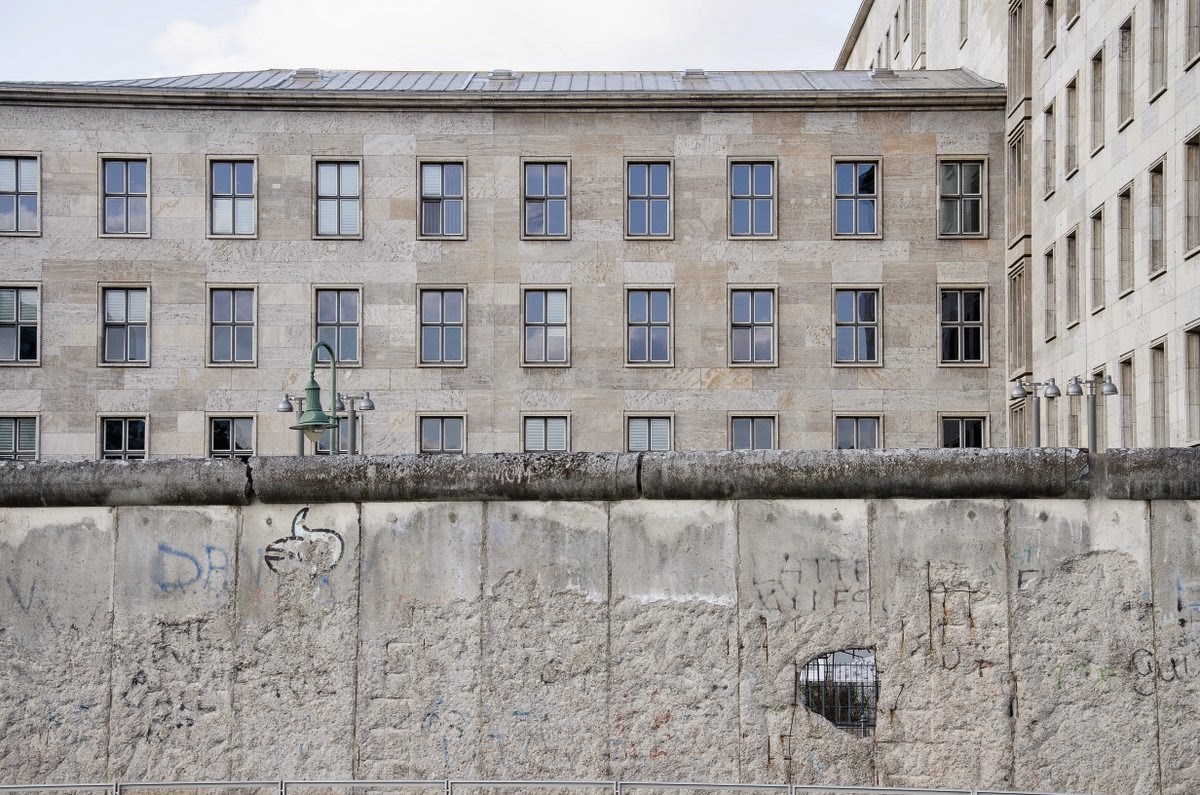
(1193, 30)
(339, 199)
(856, 326)
(752, 199)
(1017, 187)
(232, 190)
(648, 321)
(649, 434)
(547, 338)
(1020, 319)
(126, 333)
(962, 431)
(752, 433)
(230, 437)
(20, 319)
(1101, 412)
(1158, 395)
(1019, 52)
(1125, 73)
(546, 208)
(1050, 328)
(1070, 146)
(443, 435)
(1158, 47)
(648, 199)
(1051, 421)
(1018, 424)
(123, 438)
(856, 433)
(1128, 404)
(1192, 391)
(337, 324)
(546, 435)
(126, 196)
(1125, 241)
(960, 189)
(896, 27)
(856, 199)
(1049, 27)
(962, 327)
(1098, 283)
(443, 326)
(1072, 279)
(1071, 12)
(18, 438)
(752, 326)
(1097, 118)
(918, 30)
(964, 20)
(1073, 421)
(20, 195)
(1048, 149)
(231, 314)
(1157, 233)
(324, 444)
(1191, 194)
(444, 199)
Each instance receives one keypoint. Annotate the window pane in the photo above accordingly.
(431, 218)
(866, 216)
(27, 343)
(431, 344)
(556, 180)
(326, 306)
(866, 179)
(556, 306)
(948, 217)
(327, 216)
(222, 306)
(639, 435)
(222, 343)
(243, 435)
(741, 433)
(535, 180)
(762, 216)
(762, 179)
(972, 433)
(660, 217)
(971, 184)
(741, 179)
(452, 173)
(535, 341)
(866, 306)
(845, 216)
(8, 213)
(349, 179)
(950, 306)
(243, 339)
(660, 306)
(139, 306)
(535, 434)
(638, 217)
(866, 344)
(28, 303)
(950, 434)
(637, 344)
(348, 306)
(27, 213)
(660, 433)
(556, 433)
(114, 216)
(660, 344)
(556, 344)
(138, 219)
(114, 435)
(534, 218)
(741, 217)
(431, 306)
(114, 306)
(764, 306)
(949, 180)
(348, 352)
(638, 306)
(844, 179)
(222, 179)
(8, 343)
(222, 216)
(762, 343)
(972, 306)
(431, 180)
(137, 343)
(431, 434)
(638, 181)
(535, 306)
(843, 303)
(327, 179)
(556, 217)
(114, 344)
(243, 216)
(244, 179)
(972, 344)
(660, 180)
(221, 438)
(244, 306)
(452, 302)
(950, 345)
(136, 170)
(868, 433)
(453, 344)
(844, 432)
(452, 434)
(972, 216)
(763, 433)
(452, 209)
(328, 335)
(741, 306)
(349, 217)
(8, 174)
(845, 344)
(114, 176)
(741, 344)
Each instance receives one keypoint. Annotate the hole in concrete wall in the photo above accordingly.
(842, 687)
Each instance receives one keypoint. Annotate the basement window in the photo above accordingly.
(842, 687)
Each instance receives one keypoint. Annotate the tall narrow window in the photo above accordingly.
(962, 327)
(1072, 267)
(1097, 117)
(648, 318)
(546, 327)
(1158, 395)
(1191, 194)
(1158, 47)
(338, 202)
(1048, 148)
(1018, 423)
(20, 321)
(230, 437)
(918, 30)
(546, 434)
(1128, 404)
(1050, 328)
(18, 438)
(1071, 12)
(126, 197)
(1098, 283)
(126, 325)
(546, 208)
(123, 438)
(1157, 262)
(1192, 390)
(856, 326)
(1020, 320)
(443, 326)
(1070, 145)
(752, 199)
(856, 433)
(1051, 420)
(1125, 241)
(649, 434)
(648, 200)
(232, 325)
(1019, 52)
(1125, 73)
(232, 198)
(20, 195)
(1073, 421)
(896, 28)
(960, 189)
(856, 197)
(964, 20)
(1018, 186)
(752, 326)
(752, 433)
(1193, 30)
(443, 200)
(1101, 413)
(338, 321)
(1049, 27)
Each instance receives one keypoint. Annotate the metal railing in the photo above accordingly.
(447, 786)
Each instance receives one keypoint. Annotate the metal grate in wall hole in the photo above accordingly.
(842, 687)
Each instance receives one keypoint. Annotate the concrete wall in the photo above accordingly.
(1045, 641)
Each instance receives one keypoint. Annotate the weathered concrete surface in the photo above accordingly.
(165, 481)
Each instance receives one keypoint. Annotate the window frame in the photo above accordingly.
(733, 417)
(1191, 383)
(1126, 76)
(1160, 380)
(1097, 104)
(123, 454)
(1049, 27)
(731, 325)
(525, 290)
(321, 446)
(103, 160)
(1126, 249)
(524, 197)
(315, 322)
(103, 325)
(857, 417)
(442, 162)
(877, 324)
(983, 324)
(544, 417)
(1098, 255)
(1156, 233)
(944, 417)
(650, 419)
(209, 162)
(670, 324)
(669, 162)
(233, 417)
(1050, 293)
(17, 453)
(317, 162)
(877, 197)
(441, 417)
(1049, 151)
(1159, 61)
(421, 324)
(1191, 34)
(210, 325)
(1190, 161)
(960, 160)
(1071, 128)
(730, 163)
(1072, 278)
(17, 287)
(16, 157)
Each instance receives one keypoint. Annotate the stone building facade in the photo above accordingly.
(590, 262)
(1103, 196)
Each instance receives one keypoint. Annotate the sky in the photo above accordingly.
(115, 39)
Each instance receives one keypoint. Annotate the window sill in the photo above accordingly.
(959, 365)
(868, 365)
(545, 238)
(1072, 172)
(454, 238)
(732, 236)
(211, 236)
(1097, 309)
(337, 237)
(1158, 93)
(123, 235)
(1191, 252)
(1125, 292)
(546, 365)
(650, 238)
(1071, 22)
(21, 234)
(443, 365)
(650, 365)
(857, 237)
(1156, 274)
(1195, 59)
(25, 363)
(1049, 50)
(232, 364)
(752, 365)
(1048, 194)
(340, 365)
(1097, 150)
(1072, 324)
(123, 364)
(980, 236)
(1050, 338)
(1124, 124)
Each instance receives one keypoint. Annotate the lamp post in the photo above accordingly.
(1022, 389)
(364, 404)
(285, 406)
(314, 421)
(1075, 389)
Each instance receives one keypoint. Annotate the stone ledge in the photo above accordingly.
(1171, 473)
(157, 481)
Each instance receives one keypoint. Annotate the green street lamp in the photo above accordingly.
(314, 422)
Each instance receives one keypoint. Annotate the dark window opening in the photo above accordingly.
(843, 687)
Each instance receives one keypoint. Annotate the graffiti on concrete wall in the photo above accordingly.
(314, 550)
(824, 584)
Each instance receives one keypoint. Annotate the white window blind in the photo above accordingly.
(28, 170)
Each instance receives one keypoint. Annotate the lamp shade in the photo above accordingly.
(314, 421)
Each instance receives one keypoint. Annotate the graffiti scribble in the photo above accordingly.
(318, 550)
